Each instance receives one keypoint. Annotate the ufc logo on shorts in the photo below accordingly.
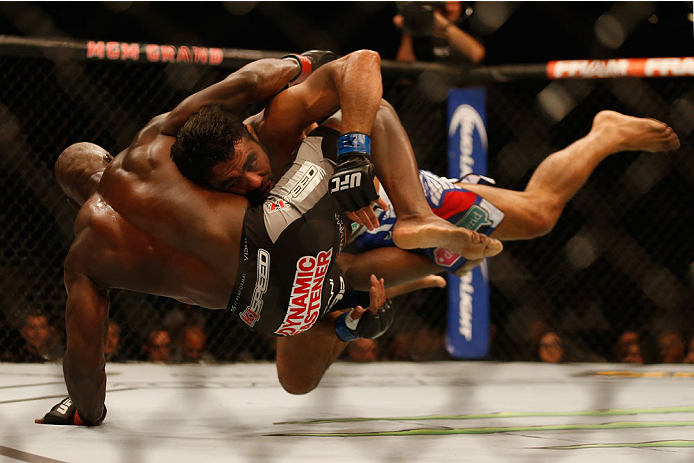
(347, 182)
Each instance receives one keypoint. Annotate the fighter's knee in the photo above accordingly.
(543, 223)
(295, 384)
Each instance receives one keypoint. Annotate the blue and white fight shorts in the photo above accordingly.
(447, 200)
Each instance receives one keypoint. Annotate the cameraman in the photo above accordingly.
(431, 32)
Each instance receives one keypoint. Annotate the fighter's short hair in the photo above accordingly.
(205, 140)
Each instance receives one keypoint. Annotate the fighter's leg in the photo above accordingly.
(302, 360)
(534, 211)
(79, 168)
(417, 226)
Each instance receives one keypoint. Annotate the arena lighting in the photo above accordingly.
(621, 20)
(239, 8)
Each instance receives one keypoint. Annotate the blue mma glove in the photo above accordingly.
(369, 326)
(352, 183)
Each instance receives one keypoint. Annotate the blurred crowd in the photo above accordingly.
(175, 340)
(182, 337)
(430, 31)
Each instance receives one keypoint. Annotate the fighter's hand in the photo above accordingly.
(367, 323)
(366, 216)
(309, 61)
(65, 413)
(352, 183)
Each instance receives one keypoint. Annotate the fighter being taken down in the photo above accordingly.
(143, 227)
(520, 215)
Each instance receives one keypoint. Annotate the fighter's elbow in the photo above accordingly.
(370, 57)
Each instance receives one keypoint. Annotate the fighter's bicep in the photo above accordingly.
(295, 108)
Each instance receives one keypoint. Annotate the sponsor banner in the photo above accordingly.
(153, 53)
(468, 297)
(627, 67)
(305, 300)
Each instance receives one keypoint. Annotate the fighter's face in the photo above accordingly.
(249, 174)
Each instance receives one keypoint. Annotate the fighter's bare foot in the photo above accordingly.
(628, 133)
(432, 232)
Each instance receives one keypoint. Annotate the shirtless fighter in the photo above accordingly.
(144, 228)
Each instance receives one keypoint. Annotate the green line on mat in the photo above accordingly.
(654, 444)
(497, 430)
(477, 416)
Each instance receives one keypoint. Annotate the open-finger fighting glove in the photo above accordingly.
(352, 183)
(309, 61)
(370, 325)
(65, 413)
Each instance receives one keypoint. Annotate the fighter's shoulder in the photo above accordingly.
(156, 126)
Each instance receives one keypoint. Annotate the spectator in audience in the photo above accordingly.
(428, 344)
(41, 342)
(690, 355)
(112, 349)
(159, 346)
(550, 348)
(176, 321)
(362, 350)
(192, 347)
(671, 347)
(424, 344)
(399, 346)
(628, 349)
(525, 327)
(431, 31)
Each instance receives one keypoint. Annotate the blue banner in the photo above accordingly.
(468, 297)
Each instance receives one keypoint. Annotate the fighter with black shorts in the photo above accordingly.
(297, 231)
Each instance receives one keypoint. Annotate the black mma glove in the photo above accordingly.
(309, 61)
(65, 413)
(370, 325)
(352, 183)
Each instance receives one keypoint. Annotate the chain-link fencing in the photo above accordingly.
(618, 260)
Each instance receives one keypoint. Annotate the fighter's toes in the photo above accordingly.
(492, 247)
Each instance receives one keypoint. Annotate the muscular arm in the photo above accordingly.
(352, 83)
(86, 322)
(255, 82)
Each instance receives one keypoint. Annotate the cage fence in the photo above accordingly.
(619, 259)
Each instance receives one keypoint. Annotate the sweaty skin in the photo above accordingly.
(145, 228)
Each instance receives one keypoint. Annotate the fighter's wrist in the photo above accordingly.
(303, 67)
(343, 332)
(353, 143)
(81, 421)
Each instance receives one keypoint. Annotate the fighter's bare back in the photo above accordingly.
(148, 229)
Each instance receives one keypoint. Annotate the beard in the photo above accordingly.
(257, 196)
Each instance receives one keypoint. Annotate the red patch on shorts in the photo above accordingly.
(445, 258)
(455, 202)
